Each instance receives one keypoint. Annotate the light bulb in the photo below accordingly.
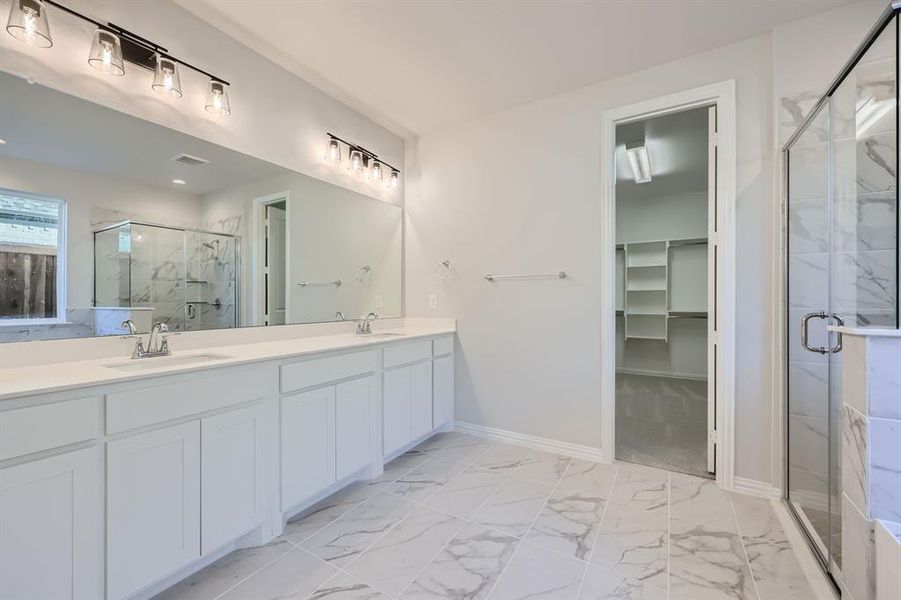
(217, 99)
(394, 180)
(165, 77)
(356, 161)
(332, 151)
(375, 172)
(106, 53)
(28, 23)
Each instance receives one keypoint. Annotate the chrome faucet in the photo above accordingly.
(139, 352)
(364, 326)
(340, 315)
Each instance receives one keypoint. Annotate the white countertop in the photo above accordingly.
(56, 377)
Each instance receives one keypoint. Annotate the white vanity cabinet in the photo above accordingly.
(50, 528)
(153, 506)
(417, 391)
(326, 432)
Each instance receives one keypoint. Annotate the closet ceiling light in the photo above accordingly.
(217, 99)
(106, 53)
(165, 77)
(28, 23)
(640, 162)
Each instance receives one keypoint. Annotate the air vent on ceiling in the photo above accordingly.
(191, 161)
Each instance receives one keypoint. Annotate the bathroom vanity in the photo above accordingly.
(119, 477)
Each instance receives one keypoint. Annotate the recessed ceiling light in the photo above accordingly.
(639, 161)
(2, 141)
(179, 181)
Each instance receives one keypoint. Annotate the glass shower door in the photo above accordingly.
(842, 269)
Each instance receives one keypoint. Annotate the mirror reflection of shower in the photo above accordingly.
(185, 278)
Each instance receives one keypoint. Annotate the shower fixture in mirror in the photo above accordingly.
(105, 217)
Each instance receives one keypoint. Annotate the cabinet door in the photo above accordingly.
(420, 399)
(231, 482)
(396, 401)
(353, 428)
(49, 528)
(443, 390)
(153, 506)
(307, 444)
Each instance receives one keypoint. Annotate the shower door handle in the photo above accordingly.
(838, 334)
(805, 322)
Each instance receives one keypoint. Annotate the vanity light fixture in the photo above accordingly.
(217, 99)
(111, 47)
(28, 23)
(639, 161)
(362, 161)
(106, 53)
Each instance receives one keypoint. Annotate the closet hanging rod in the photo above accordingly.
(336, 283)
(557, 275)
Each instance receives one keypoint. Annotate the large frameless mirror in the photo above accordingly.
(106, 218)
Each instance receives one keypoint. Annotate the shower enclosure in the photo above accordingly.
(185, 278)
(842, 268)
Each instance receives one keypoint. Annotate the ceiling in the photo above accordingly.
(48, 126)
(419, 65)
(677, 150)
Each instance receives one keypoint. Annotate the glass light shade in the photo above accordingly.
(165, 77)
(356, 161)
(217, 99)
(394, 180)
(332, 151)
(106, 53)
(28, 23)
(376, 172)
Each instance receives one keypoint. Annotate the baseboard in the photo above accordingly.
(752, 487)
(532, 441)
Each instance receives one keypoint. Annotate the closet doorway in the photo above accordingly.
(662, 392)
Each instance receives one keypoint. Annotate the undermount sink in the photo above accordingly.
(143, 364)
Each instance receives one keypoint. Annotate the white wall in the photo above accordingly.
(90, 197)
(276, 116)
(520, 192)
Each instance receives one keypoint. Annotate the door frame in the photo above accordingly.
(723, 96)
(258, 251)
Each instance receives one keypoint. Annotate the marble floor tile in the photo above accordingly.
(397, 468)
(603, 584)
(569, 521)
(345, 587)
(392, 563)
(342, 540)
(295, 575)
(694, 498)
(542, 466)
(465, 448)
(422, 482)
(536, 573)
(774, 565)
(514, 506)
(707, 562)
(638, 499)
(503, 458)
(466, 492)
(467, 567)
(226, 572)
(322, 513)
(634, 546)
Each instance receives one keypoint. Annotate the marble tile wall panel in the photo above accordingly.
(884, 474)
(884, 377)
(855, 458)
(888, 560)
(857, 552)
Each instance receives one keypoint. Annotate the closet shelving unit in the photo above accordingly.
(646, 292)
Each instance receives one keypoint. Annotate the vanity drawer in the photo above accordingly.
(155, 404)
(35, 428)
(407, 352)
(443, 346)
(318, 371)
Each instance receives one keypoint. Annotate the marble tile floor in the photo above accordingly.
(464, 518)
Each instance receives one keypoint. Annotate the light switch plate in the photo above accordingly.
(378, 301)
(433, 301)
